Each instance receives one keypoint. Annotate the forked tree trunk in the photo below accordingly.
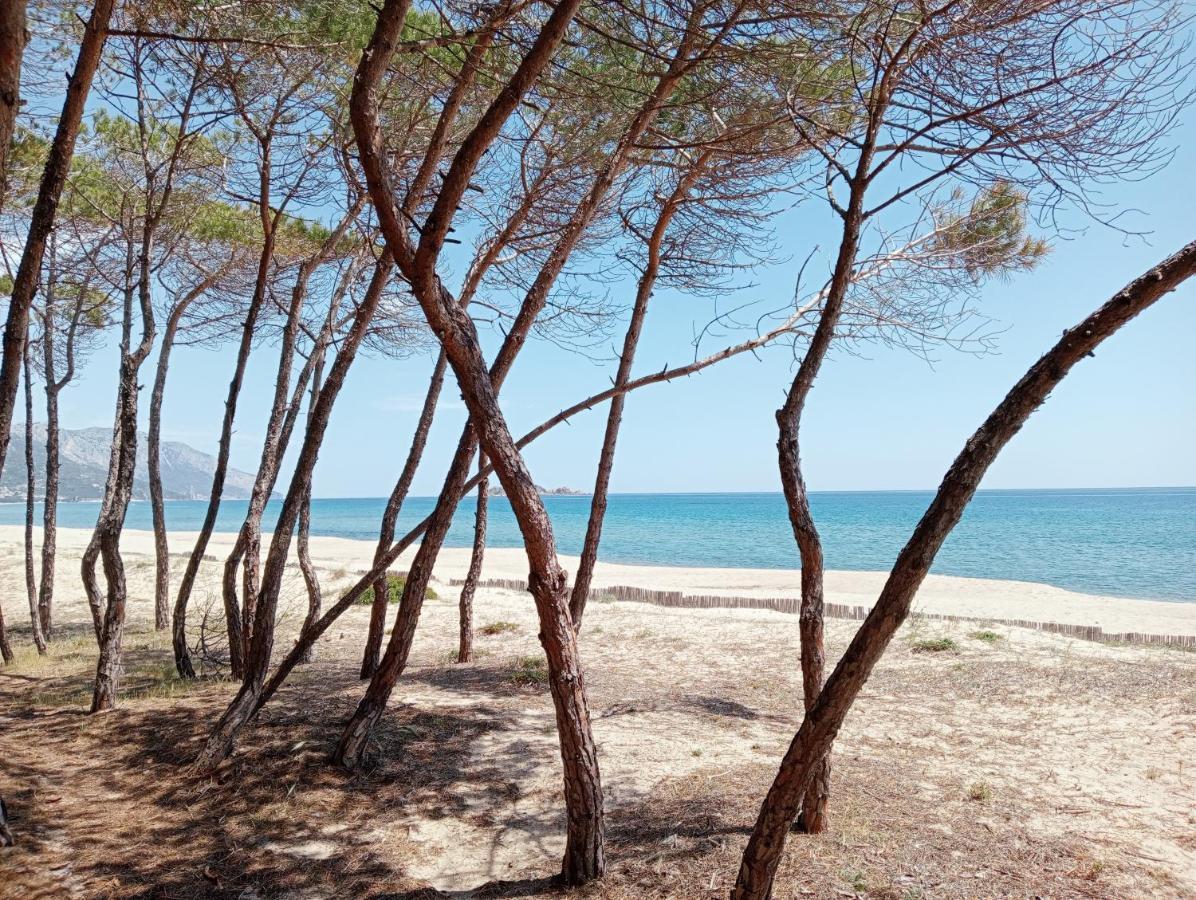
(244, 705)
(112, 518)
(45, 208)
(822, 721)
(284, 410)
(94, 550)
(584, 858)
(39, 640)
(366, 129)
(390, 516)
(465, 605)
(109, 667)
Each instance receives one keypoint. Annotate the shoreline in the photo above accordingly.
(939, 594)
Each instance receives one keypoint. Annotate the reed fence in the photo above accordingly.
(677, 599)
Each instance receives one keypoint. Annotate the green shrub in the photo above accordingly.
(989, 637)
(498, 628)
(394, 590)
(935, 645)
(980, 792)
(529, 670)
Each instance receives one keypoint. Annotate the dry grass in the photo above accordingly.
(1028, 766)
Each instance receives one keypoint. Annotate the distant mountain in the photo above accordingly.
(186, 472)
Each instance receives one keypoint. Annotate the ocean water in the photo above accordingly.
(1123, 542)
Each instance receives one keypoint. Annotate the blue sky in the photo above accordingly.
(881, 420)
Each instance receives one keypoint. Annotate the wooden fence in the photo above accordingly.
(843, 611)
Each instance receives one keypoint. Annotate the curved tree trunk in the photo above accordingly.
(244, 705)
(45, 208)
(584, 856)
(112, 517)
(109, 669)
(182, 655)
(311, 579)
(390, 516)
(39, 640)
(91, 554)
(606, 460)
(283, 413)
(822, 721)
(465, 605)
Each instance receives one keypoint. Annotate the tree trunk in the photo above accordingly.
(182, 655)
(39, 640)
(283, 414)
(45, 208)
(606, 460)
(45, 602)
(109, 669)
(112, 517)
(91, 554)
(356, 734)
(584, 856)
(154, 468)
(311, 578)
(13, 35)
(390, 516)
(822, 721)
(813, 818)
(220, 742)
(5, 646)
(465, 644)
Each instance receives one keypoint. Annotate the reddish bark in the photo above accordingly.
(390, 517)
(245, 704)
(823, 720)
(614, 418)
(45, 209)
(476, 557)
(13, 35)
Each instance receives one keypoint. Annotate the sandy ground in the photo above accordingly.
(1009, 763)
(980, 597)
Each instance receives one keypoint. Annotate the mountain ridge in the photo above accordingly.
(83, 467)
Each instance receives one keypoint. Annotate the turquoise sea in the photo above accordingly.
(1123, 542)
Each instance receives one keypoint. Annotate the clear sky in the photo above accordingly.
(883, 420)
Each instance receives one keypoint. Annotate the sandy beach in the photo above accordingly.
(939, 594)
(990, 762)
